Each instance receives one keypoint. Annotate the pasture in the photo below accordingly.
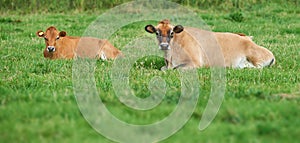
(37, 102)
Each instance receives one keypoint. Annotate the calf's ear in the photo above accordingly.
(150, 29)
(178, 29)
(40, 33)
(62, 33)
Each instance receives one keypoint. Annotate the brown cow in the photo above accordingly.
(182, 50)
(60, 46)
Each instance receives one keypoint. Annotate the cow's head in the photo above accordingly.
(51, 36)
(164, 33)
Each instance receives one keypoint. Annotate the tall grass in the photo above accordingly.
(33, 6)
(59, 6)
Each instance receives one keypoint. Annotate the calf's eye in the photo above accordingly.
(45, 38)
(171, 34)
(57, 37)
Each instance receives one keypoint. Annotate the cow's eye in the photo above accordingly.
(57, 37)
(172, 34)
(45, 38)
(157, 33)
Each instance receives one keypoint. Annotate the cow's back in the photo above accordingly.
(202, 46)
(206, 48)
(87, 47)
(233, 47)
(109, 50)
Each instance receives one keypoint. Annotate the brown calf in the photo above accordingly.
(60, 46)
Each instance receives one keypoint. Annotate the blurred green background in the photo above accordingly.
(59, 6)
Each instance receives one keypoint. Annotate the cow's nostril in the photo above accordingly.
(50, 48)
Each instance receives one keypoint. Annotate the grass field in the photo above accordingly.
(37, 103)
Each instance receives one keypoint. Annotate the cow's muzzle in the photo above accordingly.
(164, 46)
(50, 48)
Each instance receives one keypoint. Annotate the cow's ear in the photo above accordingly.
(178, 29)
(62, 33)
(150, 29)
(40, 33)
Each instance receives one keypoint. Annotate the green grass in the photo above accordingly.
(37, 103)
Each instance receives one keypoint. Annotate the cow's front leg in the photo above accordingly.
(168, 65)
(184, 66)
(168, 61)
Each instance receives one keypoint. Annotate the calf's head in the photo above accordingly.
(164, 33)
(51, 36)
